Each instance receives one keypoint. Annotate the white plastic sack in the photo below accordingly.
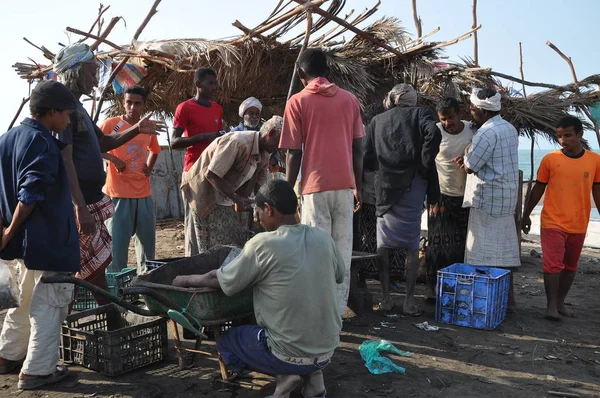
(9, 289)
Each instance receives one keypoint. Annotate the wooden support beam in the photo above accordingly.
(92, 36)
(418, 24)
(309, 25)
(105, 34)
(475, 43)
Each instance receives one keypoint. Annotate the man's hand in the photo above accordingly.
(146, 170)
(242, 203)
(180, 281)
(526, 224)
(6, 237)
(357, 200)
(460, 161)
(152, 127)
(86, 225)
(119, 164)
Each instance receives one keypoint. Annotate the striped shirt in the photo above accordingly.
(493, 158)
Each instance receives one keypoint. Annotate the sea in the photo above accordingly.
(592, 238)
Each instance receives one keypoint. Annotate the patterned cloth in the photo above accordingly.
(222, 226)
(492, 241)
(446, 234)
(494, 160)
(96, 251)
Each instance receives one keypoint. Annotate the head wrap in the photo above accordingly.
(489, 104)
(72, 55)
(401, 95)
(52, 95)
(276, 122)
(249, 103)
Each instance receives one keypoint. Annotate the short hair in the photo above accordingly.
(137, 90)
(313, 61)
(448, 104)
(570, 121)
(39, 111)
(278, 194)
(202, 73)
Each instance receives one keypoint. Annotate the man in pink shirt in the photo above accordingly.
(322, 131)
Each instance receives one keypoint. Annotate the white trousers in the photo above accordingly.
(333, 211)
(32, 330)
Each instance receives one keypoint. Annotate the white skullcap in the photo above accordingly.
(249, 103)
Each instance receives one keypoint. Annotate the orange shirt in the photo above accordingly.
(196, 119)
(323, 120)
(567, 202)
(131, 183)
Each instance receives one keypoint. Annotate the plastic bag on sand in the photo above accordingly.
(371, 350)
(9, 291)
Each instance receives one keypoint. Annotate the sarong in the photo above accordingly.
(446, 234)
(492, 241)
(96, 251)
(222, 226)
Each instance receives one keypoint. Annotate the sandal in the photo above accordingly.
(418, 312)
(40, 381)
(10, 367)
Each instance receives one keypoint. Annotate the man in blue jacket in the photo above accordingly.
(37, 225)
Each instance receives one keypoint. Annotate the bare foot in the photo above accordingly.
(562, 309)
(386, 305)
(553, 316)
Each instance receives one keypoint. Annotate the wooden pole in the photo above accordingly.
(121, 64)
(309, 25)
(586, 111)
(417, 20)
(531, 153)
(101, 11)
(23, 102)
(93, 36)
(475, 43)
(105, 34)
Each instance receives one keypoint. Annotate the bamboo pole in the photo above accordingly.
(475, 43)
(23, 102)
(586, 111)
(417, 20)
(93, 36)
(121, 64)
(309, 25)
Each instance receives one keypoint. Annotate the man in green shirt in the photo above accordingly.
(294, 270)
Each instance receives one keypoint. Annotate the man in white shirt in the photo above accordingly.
(447, 219)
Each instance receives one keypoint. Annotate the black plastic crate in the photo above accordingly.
(113, 341)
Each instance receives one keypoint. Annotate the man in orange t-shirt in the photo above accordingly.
(197, 122)
(568, 177)
(128, 185)
(322, 131)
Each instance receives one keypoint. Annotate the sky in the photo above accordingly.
(505, 24)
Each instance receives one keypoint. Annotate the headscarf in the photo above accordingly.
(72, 55)
(276, 122)
(52, 95)
(489, 104)
(249, 103)
(401, 95)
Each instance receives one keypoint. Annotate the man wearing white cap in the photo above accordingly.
(250, 113)
(492, 186)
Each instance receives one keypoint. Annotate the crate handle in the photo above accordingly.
(466, 279)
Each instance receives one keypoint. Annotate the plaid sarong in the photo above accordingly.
(96, 251)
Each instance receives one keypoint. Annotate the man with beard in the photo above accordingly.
(250, 113)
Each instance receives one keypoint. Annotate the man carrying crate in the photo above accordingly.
(567, 177)
(293, 269)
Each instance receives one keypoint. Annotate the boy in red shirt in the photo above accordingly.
(198, 121)
(567, 177)
(322, 130)
(128, 185)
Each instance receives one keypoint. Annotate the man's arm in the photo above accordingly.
(596, 195)
(431, 142)
(209, 280)
(227, 189)
(180, 142)
(22, 212)
(150, 162)
(118, 163)
(357, 166)
(534, 198)
(85, 221)
(479, 152)
(293, 160)
(144, 126)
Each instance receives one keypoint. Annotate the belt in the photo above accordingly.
(302, 361)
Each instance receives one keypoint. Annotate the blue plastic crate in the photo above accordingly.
(472, 296)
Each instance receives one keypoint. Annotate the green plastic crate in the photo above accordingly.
(116, 280)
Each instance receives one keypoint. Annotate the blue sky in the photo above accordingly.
(505, 23)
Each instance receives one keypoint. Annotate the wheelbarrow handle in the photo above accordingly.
(96, 290)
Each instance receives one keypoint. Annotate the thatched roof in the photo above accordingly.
(261, 61)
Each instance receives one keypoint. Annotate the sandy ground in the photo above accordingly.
(526, 356)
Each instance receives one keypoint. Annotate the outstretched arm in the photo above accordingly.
(534, 198)
(205, 280)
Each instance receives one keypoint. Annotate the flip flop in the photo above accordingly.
(40, 381)
(10, 367)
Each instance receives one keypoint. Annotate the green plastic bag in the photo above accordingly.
(370, 352)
